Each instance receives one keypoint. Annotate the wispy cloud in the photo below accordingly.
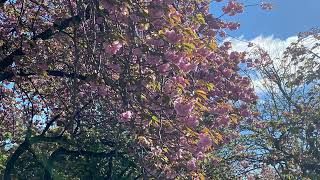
(275, 47)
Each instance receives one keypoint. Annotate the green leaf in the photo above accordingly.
(189, 46)
(210, 86)
(201, 19)
(154, 118)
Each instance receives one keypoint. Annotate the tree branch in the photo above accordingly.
(15, 156)
(55, 73)
(62, 151)
(24, 147)
(49, 124)
(2, 2)
(45, 35)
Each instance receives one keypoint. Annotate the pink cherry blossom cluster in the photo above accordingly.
(125, 116)
(182, 107)
(113, 48)
(233, 8)
(172, 36)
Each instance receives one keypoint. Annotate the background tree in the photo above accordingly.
(285, 136)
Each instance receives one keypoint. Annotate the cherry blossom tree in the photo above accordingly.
(117, 89)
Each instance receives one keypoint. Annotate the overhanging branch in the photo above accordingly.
(2, 2)
(56, 73)
(23, 148)
(45, 35)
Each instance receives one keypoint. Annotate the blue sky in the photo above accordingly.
(272, 30)
(288, 18)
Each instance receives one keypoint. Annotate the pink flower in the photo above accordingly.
(156, 13)
(200, 156)
(187, 67)
(168, 87)
(233, 25)
(137, 52)
(172, 36)
(158, 43)
(183, 141)
(203, 52)
(155, 42)
(115, 67)
(107, 5)
(227, 73)
(204, 141)
(234, 55)
(175, 58)
(192, 164)
(183, 108)
(134, 18)
(153, 60)
(233, 8)
(113, 48)
(102, 90)
(244, 112)
(164, 68)
(125, 116)
(43, 66)
(180, 80)
(191, 121)
(227, 45)
(224, 120)
(244, 164)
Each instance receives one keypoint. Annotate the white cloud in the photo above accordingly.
(274, 46)
(259, 86)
